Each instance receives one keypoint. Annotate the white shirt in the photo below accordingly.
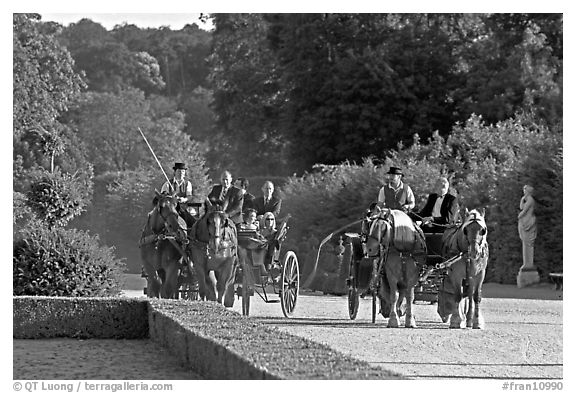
(437, 205)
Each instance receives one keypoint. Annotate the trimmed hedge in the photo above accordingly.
(206, 334)
(213, 341)
(49, 317)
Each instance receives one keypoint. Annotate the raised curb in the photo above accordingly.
(215, 342)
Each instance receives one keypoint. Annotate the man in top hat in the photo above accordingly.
(228, 197)
(441, 209)
(395, 194)
(183, 189)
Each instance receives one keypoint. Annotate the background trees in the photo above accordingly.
(317, 96)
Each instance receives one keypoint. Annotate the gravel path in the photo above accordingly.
(72, 359)
(523, 337)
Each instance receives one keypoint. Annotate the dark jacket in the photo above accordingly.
(449, 210)
(248, 201)
(231, 202)
(272, 206)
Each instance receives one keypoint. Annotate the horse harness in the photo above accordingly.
(165, 234)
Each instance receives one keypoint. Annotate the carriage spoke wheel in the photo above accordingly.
(290, 281)
(353, 295)
(353, 302)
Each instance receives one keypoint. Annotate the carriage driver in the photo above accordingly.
(395, 194)
(183, 190)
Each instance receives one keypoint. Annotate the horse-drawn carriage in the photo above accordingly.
(206, 259)
(264, 269)
(377, 266)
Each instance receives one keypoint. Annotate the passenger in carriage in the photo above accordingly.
(268, 225)
(268, 202)
(395, 194)
(441, 208)
(227, 197)
(250, 223)
(242, 183)
(268, 230)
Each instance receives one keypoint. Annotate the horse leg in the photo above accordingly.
(410, 280)
(470, 297)
(152, 279)
(229, 283)
(169, 286)
(393, 320)
(457, 318)
(478, 322)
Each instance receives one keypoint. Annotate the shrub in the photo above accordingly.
(57, 197)
(64, 262)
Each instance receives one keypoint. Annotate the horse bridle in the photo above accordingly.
(482, 243)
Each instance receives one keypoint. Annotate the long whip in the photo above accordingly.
(156, 158)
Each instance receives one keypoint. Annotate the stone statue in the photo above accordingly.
(528, 273)
(527, 227)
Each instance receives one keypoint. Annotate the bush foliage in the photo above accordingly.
(488, 165)
(64, 262)
(57, 197)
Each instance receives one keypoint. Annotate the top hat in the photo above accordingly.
(395, 171)
(179, 165)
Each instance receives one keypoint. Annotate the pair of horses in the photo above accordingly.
(400, 247)
(167, 245)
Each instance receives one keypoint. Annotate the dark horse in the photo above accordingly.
(162, 245)
(399, 246)
(466, 275)
(214, 247)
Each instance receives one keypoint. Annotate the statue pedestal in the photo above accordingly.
(527, 276)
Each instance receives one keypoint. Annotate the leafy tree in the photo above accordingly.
(44, 86)
(56, 197)
(247, 97)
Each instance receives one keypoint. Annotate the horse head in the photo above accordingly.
(475, 231)
(217, 223)
(166, 214)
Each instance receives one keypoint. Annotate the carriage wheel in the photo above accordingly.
(353, 295)
(353, 302)
(245, 291)
(374, 297)
(290, 281)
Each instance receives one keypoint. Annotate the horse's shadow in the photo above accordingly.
(343, 324)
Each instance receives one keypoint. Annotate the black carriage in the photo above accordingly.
(265, 270)
(362, 270)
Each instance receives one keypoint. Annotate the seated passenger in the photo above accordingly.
(268, 225)
(250, 223)
(441, 209)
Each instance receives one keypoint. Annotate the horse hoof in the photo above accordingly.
(393, 322)
(410, 322)
(478, 323)
(456, 325)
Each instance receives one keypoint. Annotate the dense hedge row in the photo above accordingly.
(488, 165)
(49, 317)
(64, 262)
